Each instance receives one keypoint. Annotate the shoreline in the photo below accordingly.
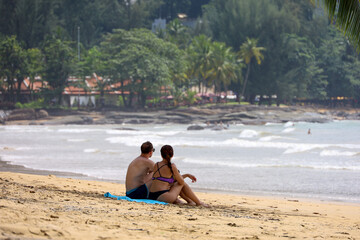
(194, 115)
(5, 166)
(50, 207)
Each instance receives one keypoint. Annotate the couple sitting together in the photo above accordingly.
(158, 181)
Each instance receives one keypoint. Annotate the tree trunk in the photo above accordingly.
(129, 104)
(261, 100)
(32, 90)
(122, 92)
(18, 90)
(245, 82)
(270, 100)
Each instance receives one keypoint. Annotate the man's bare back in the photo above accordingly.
(139, 172)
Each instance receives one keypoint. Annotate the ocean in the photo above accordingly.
(272, 160)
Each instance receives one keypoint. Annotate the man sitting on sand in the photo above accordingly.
(139, 173)
(139, 178)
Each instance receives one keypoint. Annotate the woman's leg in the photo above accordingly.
(172, 195)
(188, 195)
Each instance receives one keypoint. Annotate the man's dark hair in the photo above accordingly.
(146, 147)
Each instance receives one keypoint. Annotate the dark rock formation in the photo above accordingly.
(42, 114)
(22, 114)
(126, 129)
(70, 120)
(195, 127)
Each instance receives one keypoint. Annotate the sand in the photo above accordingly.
(50, 207)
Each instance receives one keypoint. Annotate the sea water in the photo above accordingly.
(272, 159)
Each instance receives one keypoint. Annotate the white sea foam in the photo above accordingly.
(15, 158)
(125, 132)
(289, 124)
(275, 164)
(248, 133)
(225, 163)
(288, 130)
(27, 129)
(79, 130)
(135, 141)
(6, 148)
(269, 138)
(302, 148)
(91, 150)
(12, 148)
(168, 133)
(141, 133)
(333, 167)
(271, 124)
(265, 142)
(77, 140)
(326, 153)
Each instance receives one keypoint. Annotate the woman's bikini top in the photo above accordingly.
(163, 179)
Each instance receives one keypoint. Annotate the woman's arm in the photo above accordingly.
(177, 175)
(192, 177)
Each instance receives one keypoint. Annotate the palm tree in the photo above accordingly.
(177, 33)
(200, 54)
(224, 65)
(248, 50)
(347, 15)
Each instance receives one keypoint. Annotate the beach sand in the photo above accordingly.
(50, 207)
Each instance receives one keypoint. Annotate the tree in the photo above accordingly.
(30, 21)
(144, 60)
(12, 66)
(346, 14)
(233, 21)
(248, 51)
(35, 67)
(59, 59)
(97, 61)
(200, 55)
(224, 65)
(178, 34)
(340, 64)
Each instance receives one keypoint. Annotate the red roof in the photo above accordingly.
(74, 88)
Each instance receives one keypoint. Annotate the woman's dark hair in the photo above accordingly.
(146, 147)
(167, 153)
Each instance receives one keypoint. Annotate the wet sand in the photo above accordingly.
(52, 207)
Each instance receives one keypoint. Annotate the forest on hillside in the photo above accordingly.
(286, 49)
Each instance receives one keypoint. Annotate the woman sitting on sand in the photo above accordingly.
(168, 183)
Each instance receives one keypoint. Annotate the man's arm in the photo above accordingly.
(150, 166)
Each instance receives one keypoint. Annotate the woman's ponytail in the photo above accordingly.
(167, 153)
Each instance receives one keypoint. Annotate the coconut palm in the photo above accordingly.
(200, 55)
(347, 15)
(223, 65)
(248, 51)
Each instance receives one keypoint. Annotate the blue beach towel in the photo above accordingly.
(134, 200)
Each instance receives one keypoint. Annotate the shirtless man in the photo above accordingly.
(139, 173)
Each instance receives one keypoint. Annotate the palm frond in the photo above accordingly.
(346, 14)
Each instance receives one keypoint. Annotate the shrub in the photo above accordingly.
(39, 103)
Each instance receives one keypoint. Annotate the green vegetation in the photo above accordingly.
(347, 15)
(39, 103)
(282, 48)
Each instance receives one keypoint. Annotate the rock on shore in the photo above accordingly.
(244, 114)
